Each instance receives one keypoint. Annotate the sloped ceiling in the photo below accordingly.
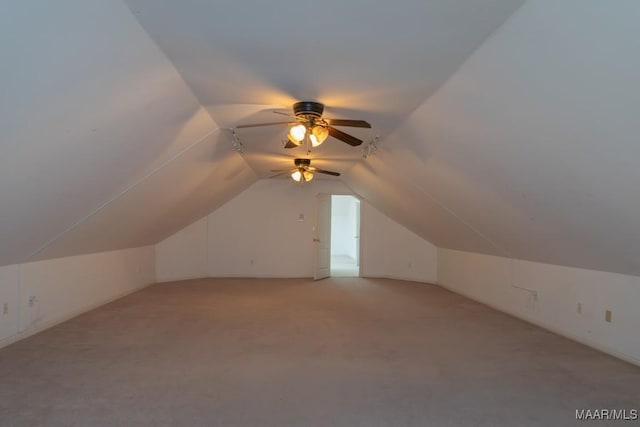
(501, 128)
(90, 110)
(533, 142)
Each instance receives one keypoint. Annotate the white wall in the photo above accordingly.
(183, 255)
(8, 296)
(65, 287)
(257, 234)
(390, 250)
(554, 305)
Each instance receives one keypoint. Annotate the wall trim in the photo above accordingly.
(404, 279)
(264, 276)
(179, 278)
(280, 276)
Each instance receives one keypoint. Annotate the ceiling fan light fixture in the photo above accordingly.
(302, 175)
(297, 133)
(293, 141)
(318, 135)
(303, 172)
(311, 128)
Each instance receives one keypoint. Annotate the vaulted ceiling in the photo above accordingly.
(503, 127)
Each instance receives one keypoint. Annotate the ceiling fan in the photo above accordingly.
(303, 172)
(309, 126)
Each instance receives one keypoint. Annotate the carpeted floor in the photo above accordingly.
(339, 352)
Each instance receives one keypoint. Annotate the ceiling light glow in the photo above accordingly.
(297, 133)
(318, 135)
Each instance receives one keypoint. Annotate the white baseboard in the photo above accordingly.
(180, 278)
(404, 279)
(265, 276)
(605, 349)
(284, 276)
(51, 323)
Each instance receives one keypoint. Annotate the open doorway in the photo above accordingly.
(345, 236)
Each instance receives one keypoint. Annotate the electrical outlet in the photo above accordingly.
(5, 308)
(607, 316)
(579, 309)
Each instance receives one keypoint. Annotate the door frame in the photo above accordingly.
(322, 241)
(360, 245)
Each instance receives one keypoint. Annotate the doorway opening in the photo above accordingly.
(345, 236)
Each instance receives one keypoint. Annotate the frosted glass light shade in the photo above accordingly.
(293, 141)
(296, 133)
(302, 175)
(318, 135)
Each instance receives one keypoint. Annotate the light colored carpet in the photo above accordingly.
(339, 352)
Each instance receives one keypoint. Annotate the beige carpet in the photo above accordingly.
(340, 352)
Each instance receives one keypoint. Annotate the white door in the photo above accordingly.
(322, 239)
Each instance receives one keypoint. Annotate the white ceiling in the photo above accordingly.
(532, 143)
(90, 107)
(376, 61)
(504, 128)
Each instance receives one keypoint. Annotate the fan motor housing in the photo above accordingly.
(302, 162)
(308, 108)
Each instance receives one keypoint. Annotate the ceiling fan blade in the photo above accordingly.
(344, 137)
(316, 170)
(280, 174)
(350, 123)
(264, 124)
(285, 114)
(290, 144)
(283, 170)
